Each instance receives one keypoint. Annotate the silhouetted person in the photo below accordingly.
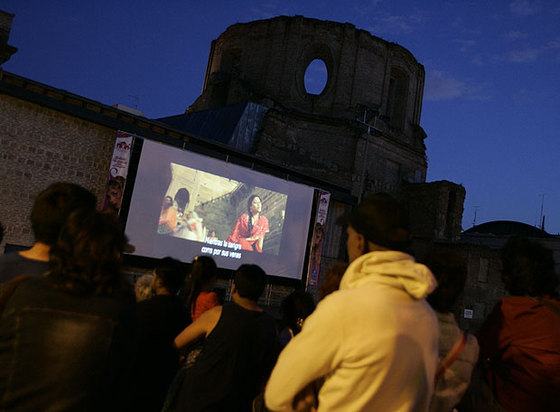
(67, 339)
(296, 307)
(520, 339)
(49, 212)
(202, 279)
(458, 351)
(239, 350)
(332, 278)
(162, 318)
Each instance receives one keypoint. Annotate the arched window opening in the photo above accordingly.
(316, 76)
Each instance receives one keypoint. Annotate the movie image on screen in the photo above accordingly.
(222, 212)
(185, 205)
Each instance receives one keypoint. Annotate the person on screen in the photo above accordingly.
(182, 197)
(168, 217)
(251, 227)
(190, 227)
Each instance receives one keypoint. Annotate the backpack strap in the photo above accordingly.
(452, 355)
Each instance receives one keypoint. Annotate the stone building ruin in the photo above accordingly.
(362, 132)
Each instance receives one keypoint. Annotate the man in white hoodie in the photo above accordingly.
(374, 341)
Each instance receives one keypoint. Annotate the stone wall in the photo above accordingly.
(39, 146)
(268, 58)
(435, 209)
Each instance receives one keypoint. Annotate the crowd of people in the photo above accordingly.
(75, 334)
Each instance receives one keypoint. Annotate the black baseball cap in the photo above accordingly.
(382, 220)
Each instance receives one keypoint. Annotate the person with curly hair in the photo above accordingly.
(67, 338)
(520, 339)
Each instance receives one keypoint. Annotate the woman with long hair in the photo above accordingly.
(250, 228)
(200, 297)
(67, 336)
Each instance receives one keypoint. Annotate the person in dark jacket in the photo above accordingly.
(68, 338)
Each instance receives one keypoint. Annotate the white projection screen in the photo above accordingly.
(214, 221)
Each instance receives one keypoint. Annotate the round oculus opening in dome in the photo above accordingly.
(316, 76)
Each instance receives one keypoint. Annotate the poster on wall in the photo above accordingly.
(317, 239)
(118, 171)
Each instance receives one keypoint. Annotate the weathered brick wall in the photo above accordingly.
(311, 146)
(39, 146)
(435, 209)
(335, 152)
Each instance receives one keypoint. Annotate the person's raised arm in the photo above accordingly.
(201, 327)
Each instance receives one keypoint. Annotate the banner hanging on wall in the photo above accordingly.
(317, 239)
(118, 171)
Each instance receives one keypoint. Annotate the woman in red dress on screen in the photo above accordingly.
(250, 228)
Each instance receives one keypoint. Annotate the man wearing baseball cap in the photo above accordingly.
(375, 340)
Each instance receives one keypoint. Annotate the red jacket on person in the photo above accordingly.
(520, 341)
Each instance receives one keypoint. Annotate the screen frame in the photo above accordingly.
(221, 155)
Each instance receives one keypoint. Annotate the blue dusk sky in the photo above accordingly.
(490, 110)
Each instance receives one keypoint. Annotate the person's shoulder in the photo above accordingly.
(208, 295)
(13, 264)
(9, 260)
(267, 317)
(10, 257)
(212, 313)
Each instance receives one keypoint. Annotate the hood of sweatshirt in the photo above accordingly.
(396, 269)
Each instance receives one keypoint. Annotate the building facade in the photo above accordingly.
(360, 134)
